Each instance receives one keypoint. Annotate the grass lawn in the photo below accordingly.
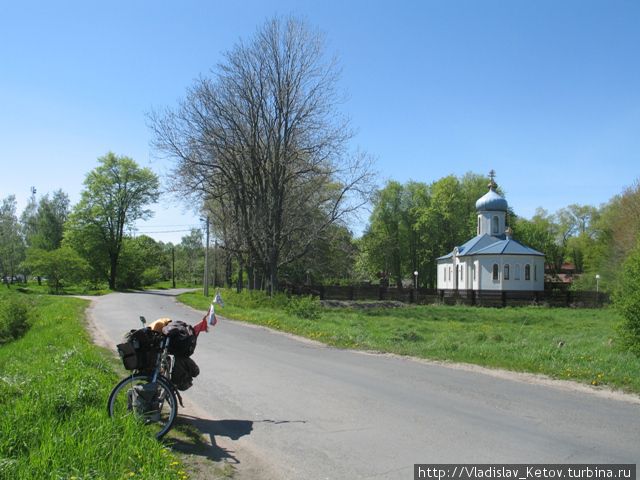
(54, 384)
(572, 344)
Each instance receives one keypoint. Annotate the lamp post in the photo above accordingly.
(415, 285)
(597, 282)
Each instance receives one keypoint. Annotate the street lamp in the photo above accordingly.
(597, 282)
(415, 285)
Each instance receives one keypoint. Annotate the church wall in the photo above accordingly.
(517, 272)
(445, 281)
(449, 277)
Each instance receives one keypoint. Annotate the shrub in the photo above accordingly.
(151, 275)
(14, 319)
(307, 307)
(627, 301)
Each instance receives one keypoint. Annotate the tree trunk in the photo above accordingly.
(251, 276)
(240, 275)
(273, 275)
(113, 271)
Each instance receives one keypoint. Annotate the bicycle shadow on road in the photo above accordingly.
(201, 440)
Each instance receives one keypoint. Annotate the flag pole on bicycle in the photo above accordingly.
(210, 317)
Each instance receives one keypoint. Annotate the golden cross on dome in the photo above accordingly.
(492, 183)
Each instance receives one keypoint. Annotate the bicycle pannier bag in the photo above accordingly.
(183, 373)
(128, 355)
(182, 337)
(141, 349)
(143, 398)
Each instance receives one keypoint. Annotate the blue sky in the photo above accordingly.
(547, 93)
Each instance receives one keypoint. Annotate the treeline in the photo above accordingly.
(88, 243)
(410, 226)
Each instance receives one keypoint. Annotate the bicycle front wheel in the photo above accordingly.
(154, 404)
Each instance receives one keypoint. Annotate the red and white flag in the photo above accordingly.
(201, 326)
(210, 317)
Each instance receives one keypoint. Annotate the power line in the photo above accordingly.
(167, 231)
(163, 226)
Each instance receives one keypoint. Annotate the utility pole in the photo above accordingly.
(215, 263)
(206, 262)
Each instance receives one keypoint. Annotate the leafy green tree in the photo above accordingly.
(116, 194)
(142, 261)
(386, 237)
(446, 221)
(43, 221)
(612, 233)
(61, 266)
(415, 199)
(627, 300)
(541, 234)
(11, 242)
(190, 257)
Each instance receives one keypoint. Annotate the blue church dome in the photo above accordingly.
(491, 202)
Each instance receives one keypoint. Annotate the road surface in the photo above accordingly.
(307, 411)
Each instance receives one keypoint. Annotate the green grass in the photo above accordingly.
(54, 384)
(167, 284)
(572, 344)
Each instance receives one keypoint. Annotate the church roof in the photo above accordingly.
(489, 245)
(491, 201)
(508, 246)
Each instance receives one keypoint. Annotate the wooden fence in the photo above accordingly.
(487, 298)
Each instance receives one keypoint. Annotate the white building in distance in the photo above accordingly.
(492, 260)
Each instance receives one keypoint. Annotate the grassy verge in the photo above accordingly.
(53, 389)
(168, 284)
(572, 344)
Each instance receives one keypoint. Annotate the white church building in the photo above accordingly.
(492, 260)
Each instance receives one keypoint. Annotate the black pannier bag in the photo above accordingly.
(183, 373)
(182, 337)
(140, 350)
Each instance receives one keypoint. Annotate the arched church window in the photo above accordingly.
(495, 271)
(518, 272)
(494, 225)
(478, 229)
(527, 272)
(535, 272)
(450, 274)
(473, 267)
(506, 272)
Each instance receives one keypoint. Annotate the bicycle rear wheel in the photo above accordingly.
(154, 404)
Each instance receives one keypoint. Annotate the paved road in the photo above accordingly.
(313, 412)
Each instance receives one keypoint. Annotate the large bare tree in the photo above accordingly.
(263, 141)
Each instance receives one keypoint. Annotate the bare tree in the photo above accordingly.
(264, 139)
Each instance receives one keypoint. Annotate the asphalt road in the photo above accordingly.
(313, 412)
